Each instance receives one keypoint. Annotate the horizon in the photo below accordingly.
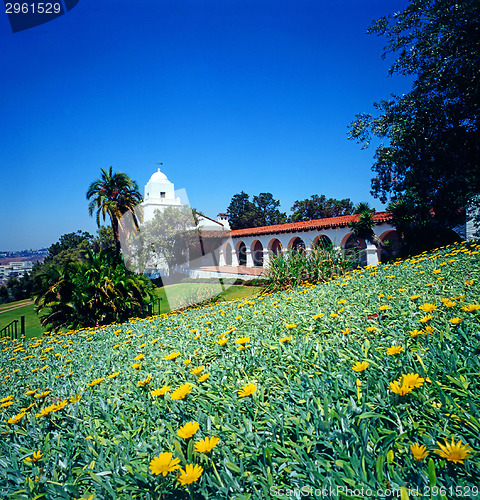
(253, 97)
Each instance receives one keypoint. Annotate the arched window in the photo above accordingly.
(354, 248)
(257, 253)
(242, 253)
(297, 244)
(275, 246)
(323, 242)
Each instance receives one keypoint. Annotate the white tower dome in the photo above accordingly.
(159, 193)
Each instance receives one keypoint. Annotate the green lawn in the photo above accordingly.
(33, 328)
(177, 293)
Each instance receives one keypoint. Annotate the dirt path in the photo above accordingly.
(16, 307)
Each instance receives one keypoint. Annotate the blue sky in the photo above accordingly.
(231, 95)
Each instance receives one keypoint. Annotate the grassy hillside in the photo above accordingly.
(33, 328)
(365, 387)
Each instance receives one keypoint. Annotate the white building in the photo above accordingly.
(159, 193)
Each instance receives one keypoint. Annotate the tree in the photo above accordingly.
(96, 291)
(267, 210)
(166, 240)
(263, 211)
(241, 212)
(66, 242)
(318, 207)
(113, 194)
(363, 227)
(431, 153)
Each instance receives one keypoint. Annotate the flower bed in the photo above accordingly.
(358, 388)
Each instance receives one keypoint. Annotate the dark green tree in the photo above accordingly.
(113, 194)
(69, 241)
(262, 211)
(319, 207)
(430, 139)
(267, 211)
(96, 291)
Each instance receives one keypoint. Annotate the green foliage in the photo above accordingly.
(319, 207)
(263, 211)
(165, 239)
(68, 242)
(113, 194)
(418, 227)
(431, 151)
(96, 291)
(293, 267)
(313, 422)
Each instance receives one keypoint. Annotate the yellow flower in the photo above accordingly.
(285, 339)
(188, 430)
(144, 382)
(139, 357)
(160, 392)
(333, 315)
(31, 393)
(76, 398)
(413, 380)
(419, 452)
(95, 382)
(428, 308)
(42, 394)
(468, 282)
(203, 377)
(37, 455)
(454, 452)
(290, 326)
(113, 375)
(197, 371)
(455, 321)
(426, 319)
(136, 366)
(383, 308)
(186, 362)
(359, 367)
(428, 330)
(247, 390)
(16, 418)
(414, 297)
(206, 445)
(399, 389)
(181, 392)
(371, 328)
(6, 404)
(222, 341)
(395, 349)
(471, 307)
(44, 412)
(190, 474)
(317, 316)
(242, 340)
(171, 356)
(163, 464)
(415, 333)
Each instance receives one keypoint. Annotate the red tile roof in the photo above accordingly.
(310, 225)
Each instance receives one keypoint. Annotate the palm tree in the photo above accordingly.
(363, 227)
(114, 194)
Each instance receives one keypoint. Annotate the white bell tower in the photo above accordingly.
(159, 193)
